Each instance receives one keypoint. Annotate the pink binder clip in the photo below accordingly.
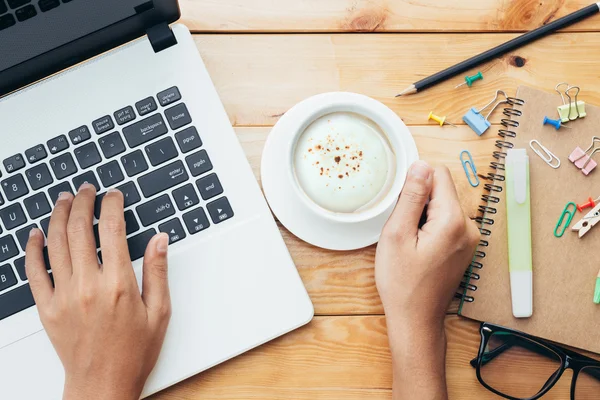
(583, 159)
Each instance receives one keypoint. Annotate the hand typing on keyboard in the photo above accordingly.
(106, 334)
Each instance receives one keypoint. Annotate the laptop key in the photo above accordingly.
(124, 115)
(110, 174)
(39, 176)
(25, 13)
(196, 221)
(163, 178)
(185, 197)
(209, 186)
(161, 151)
(37, 205)
(87, 155)
(6, 21)
(188, 139)
(47, 5)
(178, 116)
(55, 191)
(8, 248)
(145, 130)
(7, 277)
(199, 163)
(14, 163)
(131, 195)
(112, 145)
(88, 177)
(36, 153)
(57, 144)
(174, 229)
(146, 106)
(20, 267)
(220, 210)
(80, 134)
(155, 210)
(15, 301)
(137, 244)
(103, 125)
(134, 163)
(169, 96)
(14, 187)
(17, 3)
(45, 223)
(13, 216)
(23, 235)
(3, 7)
(63, 166)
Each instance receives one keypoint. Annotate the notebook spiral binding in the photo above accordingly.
(488, 210)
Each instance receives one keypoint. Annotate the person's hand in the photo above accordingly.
(106, 334)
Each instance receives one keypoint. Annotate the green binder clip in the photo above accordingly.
(562, 225)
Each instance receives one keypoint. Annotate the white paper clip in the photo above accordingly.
(545, 154)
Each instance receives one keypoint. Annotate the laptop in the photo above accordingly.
(113, 93)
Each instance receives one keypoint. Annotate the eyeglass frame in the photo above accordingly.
(569, 359)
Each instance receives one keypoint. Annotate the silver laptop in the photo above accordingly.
(123, 100)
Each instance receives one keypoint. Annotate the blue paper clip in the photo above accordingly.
(469, 167)
(476, 121)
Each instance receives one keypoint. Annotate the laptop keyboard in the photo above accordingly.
(13, 11)
(150, 151)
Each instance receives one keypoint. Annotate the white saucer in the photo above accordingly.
(281, 191)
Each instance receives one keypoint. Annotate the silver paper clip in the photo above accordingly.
(545, 154)
(469, 167)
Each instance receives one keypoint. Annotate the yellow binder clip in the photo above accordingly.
(573, 109)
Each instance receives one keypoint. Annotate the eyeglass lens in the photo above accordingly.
(587, 386)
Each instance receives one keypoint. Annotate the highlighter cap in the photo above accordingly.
(597, 291)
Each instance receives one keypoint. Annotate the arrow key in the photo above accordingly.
(220, 210)
(196, 221)
(185, 197)
(174, 229)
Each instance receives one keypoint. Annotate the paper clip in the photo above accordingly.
(545, 154)
(572, 110)
(476, 121)
(583, 160)
(469, 167)
(562, 225)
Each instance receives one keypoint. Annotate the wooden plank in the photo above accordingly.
(259, 77)
(341, 283)
(378, 15)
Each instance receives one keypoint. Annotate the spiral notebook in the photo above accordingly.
(564, 269)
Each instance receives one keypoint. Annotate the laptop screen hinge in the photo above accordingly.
(161, 37)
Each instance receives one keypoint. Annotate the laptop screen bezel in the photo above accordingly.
(86, 47)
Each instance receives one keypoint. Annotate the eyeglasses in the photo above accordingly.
(518, 366)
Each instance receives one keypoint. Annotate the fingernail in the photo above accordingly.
(113, 190)
(64, 196)
(420, 170)
(33, 232)
(162, 243)
(86, 186)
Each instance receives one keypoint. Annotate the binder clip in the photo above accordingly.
(588, 222)
(583, 159)
(476, 121)
(572, 110)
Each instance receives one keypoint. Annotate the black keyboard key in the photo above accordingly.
(39, 176)
(146, 106)
(110, 174)
(88, 177)
(97, 236)
(112, 145)
(155, 210)
(124, 115)
(3, 7)
(7, 277)
(6, 21)
(185, 197)
(45, 223)
(199, 163)
(209, 186)
(14, 187)
(161, 151)
(174, 229)
(55, 191)
(25, 13)
(169, 96)
(13, 216)
(20, 267)
(37, 205)
(23, 235)
(36, 153)
(15, 301)
(98, 205)
(137, 244)
(80, 134)
(103, 125)
(188, 139)
(57, 144)
(196, 221)
(8, 248)
(134, 163)
(220, 210)
(131, 224)
(178, 116)
(163, 178)
(87, 155)
(17, 3)
(63, 166)
(145, 130)
(131, 195)
(47, 5)
(14, 163)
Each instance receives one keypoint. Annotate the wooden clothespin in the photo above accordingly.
(588, 222)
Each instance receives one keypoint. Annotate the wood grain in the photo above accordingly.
(260, 77)
(378, 15)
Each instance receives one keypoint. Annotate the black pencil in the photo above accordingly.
(502, 49)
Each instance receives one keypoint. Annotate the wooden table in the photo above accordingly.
(264, 56)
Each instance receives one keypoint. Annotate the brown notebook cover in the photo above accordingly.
(564, 269)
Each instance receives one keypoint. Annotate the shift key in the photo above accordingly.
(163, 178)
(145, 130)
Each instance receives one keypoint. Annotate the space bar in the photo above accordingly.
(16, 301)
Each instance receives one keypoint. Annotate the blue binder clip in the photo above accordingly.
(476, 121)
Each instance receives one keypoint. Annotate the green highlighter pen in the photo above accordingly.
(597, 290)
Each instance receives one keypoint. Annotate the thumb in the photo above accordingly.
(155, 281)
(418, 186)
